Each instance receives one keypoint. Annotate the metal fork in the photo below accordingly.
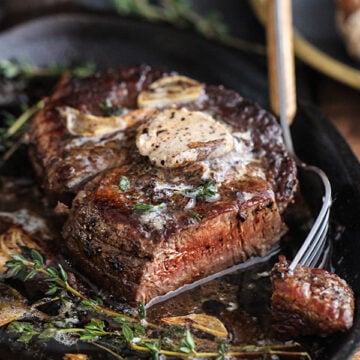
(283, 101)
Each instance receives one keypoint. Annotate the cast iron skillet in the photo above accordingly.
(111, 42)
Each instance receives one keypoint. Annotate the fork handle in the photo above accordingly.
(286, 36)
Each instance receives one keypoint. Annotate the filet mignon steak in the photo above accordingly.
(197, 183)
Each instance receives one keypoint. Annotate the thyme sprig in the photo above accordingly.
(144, 207)
(11, 69)
(108, 329)
(180, 14)
(12, 126)
(109, 109)
(18, 123)
(207, 192)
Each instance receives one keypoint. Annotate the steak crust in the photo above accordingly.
(65, 162)
(309, 301)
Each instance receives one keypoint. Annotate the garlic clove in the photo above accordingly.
(88, 125)
(170, 90)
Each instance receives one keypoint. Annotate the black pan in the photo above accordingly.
(110, 42)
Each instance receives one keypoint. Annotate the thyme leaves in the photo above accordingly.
(181, 14)
(187, 345)
(124, 183)
(207, 192)
(144, 207)
(13, 71)
(141, 309)
(112, 330)
(14, 127)
(10, 69)
(25, 330)
(109, 109)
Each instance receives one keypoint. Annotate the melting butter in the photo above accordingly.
(178, 137)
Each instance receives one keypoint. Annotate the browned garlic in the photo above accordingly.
(170, 90)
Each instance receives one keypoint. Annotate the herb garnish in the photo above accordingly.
(18, 123)
(180, 13)
(141, 311)
(187, 345)
(206, 192)
(124, 183)
(143, 207)
(14, 127)
(126, 330)
(195, 215)
(10, 69)
(25, 329)
(109, 109)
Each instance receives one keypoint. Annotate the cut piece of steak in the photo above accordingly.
(139, 251)
(309, 301)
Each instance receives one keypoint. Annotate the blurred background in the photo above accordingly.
(330, 80)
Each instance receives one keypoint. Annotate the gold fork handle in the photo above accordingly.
(286, 37)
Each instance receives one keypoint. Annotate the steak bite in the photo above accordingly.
(309, 301)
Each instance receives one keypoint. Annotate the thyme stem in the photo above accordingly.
(67, 287)
(180, 14)
(117, 356)
(133, 332)
(216, 354)
(23, 118)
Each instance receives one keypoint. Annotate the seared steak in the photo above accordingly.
(196, 183)
(139, 253)
(309, 301)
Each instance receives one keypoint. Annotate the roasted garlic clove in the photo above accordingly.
(12, 304)
(11, 242)
(75, 357)
(88, 125)
(206, 323)
(170, 90)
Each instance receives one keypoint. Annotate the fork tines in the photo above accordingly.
(313, 247)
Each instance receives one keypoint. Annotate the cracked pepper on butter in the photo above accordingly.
(177, 137)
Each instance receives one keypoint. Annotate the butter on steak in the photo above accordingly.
(179, 137)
